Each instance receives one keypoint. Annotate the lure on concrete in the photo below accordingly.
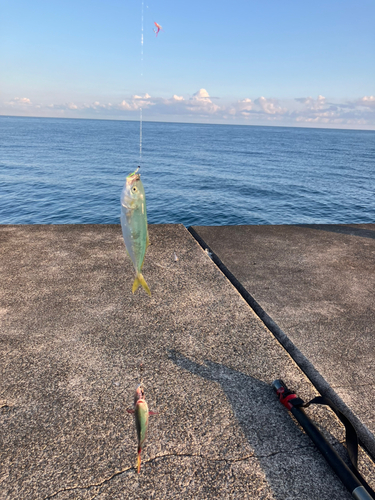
(141, 413)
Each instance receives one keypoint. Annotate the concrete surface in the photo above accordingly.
(317, 283)
(72, 337)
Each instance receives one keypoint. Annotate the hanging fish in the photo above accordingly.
(158, 28)
(134, 225)
(141, 414)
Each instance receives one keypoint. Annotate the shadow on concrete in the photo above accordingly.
(292, 465)
(341, 229)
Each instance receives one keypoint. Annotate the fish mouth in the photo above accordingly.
(131, 178)
(128, 207)
(139, 394)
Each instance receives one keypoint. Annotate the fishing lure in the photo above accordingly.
(134, 225)
(158, 28)
(141, 413)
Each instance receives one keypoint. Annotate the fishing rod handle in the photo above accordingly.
(361, 494)
(347, 477)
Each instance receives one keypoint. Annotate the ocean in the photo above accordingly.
(65, 171)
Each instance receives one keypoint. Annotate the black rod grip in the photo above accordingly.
(347, 477)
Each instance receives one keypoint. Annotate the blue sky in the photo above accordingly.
(246, 62)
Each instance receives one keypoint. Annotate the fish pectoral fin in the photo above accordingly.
(139, 280)
(153, 413)
(129, 410)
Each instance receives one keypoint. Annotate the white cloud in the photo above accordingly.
(98, 105)
(242, 107)
(19, 101)
(270, 106)
(136, 102)
(348, 114)
(146, 96)
(71, 106)
(201, 94)
(246, 101)
(201, 103)
(311, 103)
(128, 106)
(367, 101)
(64, 106)
(199, 106)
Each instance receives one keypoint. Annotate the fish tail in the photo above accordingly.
(139, 280)
(139, 462)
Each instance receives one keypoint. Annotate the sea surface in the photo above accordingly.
(63, 171)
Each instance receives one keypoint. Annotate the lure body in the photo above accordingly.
(158, 28)
(134, 225)
(141, 414)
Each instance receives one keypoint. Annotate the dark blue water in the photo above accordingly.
(59, 171)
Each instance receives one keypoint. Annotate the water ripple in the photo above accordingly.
(58, 171)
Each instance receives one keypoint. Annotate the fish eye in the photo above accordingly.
(134, 189)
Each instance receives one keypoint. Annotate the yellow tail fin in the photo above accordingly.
(139, 280)
(139, 463)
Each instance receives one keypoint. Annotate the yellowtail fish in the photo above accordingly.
(141, 414)
(134, 225)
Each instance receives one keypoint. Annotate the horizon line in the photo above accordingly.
(189, 123)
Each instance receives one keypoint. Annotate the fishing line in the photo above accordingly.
(140, 109)
(140, 137)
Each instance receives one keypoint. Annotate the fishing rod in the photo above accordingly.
(354, 482)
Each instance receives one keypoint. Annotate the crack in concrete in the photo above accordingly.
(99, 484)
(168, 455)
(118, 473)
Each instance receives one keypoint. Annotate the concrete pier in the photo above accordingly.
(73, 337)
(317, 283)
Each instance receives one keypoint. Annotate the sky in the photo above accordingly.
(256, 62)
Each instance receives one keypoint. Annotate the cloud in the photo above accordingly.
(349, 114)
(19, 101)
(201, 94)
(311, 103)
(201, 103)
(247, 103)
(146, 96)
(242, 107)
(64, 106)
(367, 101)
(128, 106)
(199, 106)
(136, 102)
(270, 106)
